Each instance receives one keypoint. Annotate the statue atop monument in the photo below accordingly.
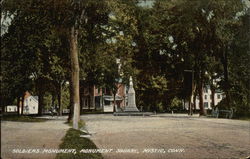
(131, 107)
(130, 81)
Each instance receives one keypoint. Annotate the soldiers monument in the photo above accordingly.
(131, 107)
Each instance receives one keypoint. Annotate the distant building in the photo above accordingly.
(94, 98)
(30, 105)
(11, 109)
(207, 98)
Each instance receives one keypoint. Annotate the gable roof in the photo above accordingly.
(34, 98)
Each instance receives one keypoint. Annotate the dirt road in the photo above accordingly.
(167, 136)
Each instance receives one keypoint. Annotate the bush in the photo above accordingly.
(240, 108)
(176, 104)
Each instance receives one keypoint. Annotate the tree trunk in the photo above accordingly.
(200, 91)
(190, 112)
(22, 104)
(102, 101)
(114, 110)
(226, 78)
(213, 96)
(71, 105)
(190, 99)
(93, 101)
(59, 95)
(75, 76)
(40, 103)
(53, 100)
(92, 98)
(40, 90)
(194, 102)
(18, 106)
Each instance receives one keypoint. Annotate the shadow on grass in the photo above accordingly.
(23, 119)
(72, 140)
(243, 118)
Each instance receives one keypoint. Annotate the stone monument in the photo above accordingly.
(131, 107)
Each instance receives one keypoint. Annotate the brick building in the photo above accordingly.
(101, 99)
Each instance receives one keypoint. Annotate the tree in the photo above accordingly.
(225, 22)
(238, 69)
(15, 62)
(64, 16)
(155, 45)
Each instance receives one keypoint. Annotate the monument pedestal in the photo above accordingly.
(131, 109)
(133, 113)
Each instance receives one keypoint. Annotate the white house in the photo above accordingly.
(30, 105)
(11, 108)
(207, 98)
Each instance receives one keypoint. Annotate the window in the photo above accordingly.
(218, 96)
(210, 96)
(86, 91)
(99, 90)
(86, 102)
(206, 90)
(33, 107)
(205, 96)
(26, 108)
(108, 92)
(106, 102)
(30, 99)
(206, 104)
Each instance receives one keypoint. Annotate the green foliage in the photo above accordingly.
(176, 104)
(72, 140)
(238, 68)
(47, 101)
(154, 44)
(65, 97)
(15, 59)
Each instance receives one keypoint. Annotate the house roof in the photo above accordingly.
(35, 98)
(218, 91)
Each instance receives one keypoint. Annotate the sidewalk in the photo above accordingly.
(26, 135)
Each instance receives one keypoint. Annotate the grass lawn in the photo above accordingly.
(243, 118)
(23, 119)
(72, 140)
